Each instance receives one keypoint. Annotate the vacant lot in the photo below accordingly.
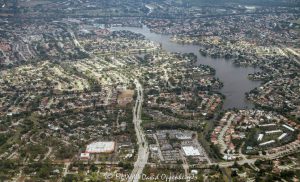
(125, 97)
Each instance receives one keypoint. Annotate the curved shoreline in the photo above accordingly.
(235, 79)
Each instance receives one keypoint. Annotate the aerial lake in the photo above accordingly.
(234, 78)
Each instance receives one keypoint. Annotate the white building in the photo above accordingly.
(260, 137)
(84, 156)
(100, 147)
(273, 131)
(268, 142)
(288, 127)
(282, 136)
(266, 125)
(184, 136)
(191, 151)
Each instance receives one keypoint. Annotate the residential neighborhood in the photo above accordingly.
(147, 90)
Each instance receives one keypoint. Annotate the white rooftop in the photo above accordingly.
(268, 142)
(288, 127)
(100, 147)
(191, 151)
(183, 136)
(273, 131)
(282, 136)
(84, 155)
(260, 136)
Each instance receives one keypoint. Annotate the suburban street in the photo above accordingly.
(223, 131)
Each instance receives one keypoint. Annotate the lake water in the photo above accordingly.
(235, 79)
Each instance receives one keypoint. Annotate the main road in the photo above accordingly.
(143, 151)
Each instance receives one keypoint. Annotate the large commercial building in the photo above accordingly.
(100, 147)
(191, 151)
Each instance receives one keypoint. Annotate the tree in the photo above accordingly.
(94, 168)
(234, 173)
(258, 162)
(44, 171)
(70, 178)
(235, 164)
(287, 174)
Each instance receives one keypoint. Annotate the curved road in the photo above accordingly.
(143, 151)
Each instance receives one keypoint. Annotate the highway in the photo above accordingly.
(143, 151)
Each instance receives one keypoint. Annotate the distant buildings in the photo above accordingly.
(260, 130)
